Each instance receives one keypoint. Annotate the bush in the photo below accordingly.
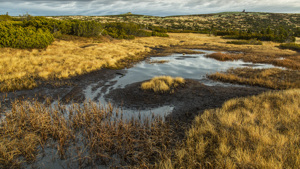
(292, 46)
(28, 37)
(246, 42)
(159, 34)
(86, 28)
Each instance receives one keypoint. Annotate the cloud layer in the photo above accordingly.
(146, 7)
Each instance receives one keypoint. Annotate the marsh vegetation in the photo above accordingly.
(49, 52)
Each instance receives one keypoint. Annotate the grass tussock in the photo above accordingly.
(163, 84)
(88, 135)
(254, 132)
(220, 56)
(271, 78)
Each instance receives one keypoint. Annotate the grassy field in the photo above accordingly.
(255, 132)
(23, 69)
(271, 78)
(205, 22)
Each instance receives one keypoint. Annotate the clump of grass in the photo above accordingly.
(271, 78)
(84, 135)
(292, 46)
(246, 42)
(157, 61)
(220, 56)
(254, 132)
(163, 84)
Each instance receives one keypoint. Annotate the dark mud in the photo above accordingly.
(188, 101)
(72, 91)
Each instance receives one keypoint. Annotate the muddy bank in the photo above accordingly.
(70, 91)
(188, 101)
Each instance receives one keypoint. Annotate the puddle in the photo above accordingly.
(191, 66)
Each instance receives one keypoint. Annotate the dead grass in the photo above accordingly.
(88, 135)
(271, 78)
(163, 84)
(254, 132)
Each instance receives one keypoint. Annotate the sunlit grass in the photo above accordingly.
(163, 84)
(272, 78)
(254, 132)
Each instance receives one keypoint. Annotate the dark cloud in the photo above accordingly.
(147, 7)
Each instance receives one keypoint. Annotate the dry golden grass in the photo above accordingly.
(163, 84)
(254, 132)
(272, 78)
(87, 135)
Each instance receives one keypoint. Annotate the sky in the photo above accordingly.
(143, 7)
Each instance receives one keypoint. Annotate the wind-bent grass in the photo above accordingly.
(254, 132)
(84, 135)
(163, 84)
(271, 78)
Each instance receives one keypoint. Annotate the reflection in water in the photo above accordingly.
(192, 66)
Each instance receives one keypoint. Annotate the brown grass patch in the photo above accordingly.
(88, 135)
(272, 78)
(163, 84)
(220, 56)
(254, 132)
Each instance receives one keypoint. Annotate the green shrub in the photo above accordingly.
(292, 46)
(246, 42)
(159, 34)
(5, 18)
(86, 28)
(27, 37)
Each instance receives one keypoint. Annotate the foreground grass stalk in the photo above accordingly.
(97, 133)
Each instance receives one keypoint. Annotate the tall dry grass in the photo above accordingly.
(254, 132)
(88, 135)
(271, 78)
(163, 84)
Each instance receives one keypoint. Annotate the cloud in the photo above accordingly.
(147, 7)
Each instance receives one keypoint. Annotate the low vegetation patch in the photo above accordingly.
(220, 56)
(292, 46)
(163, 84)
(271, 78)
(245, 42)
(254, 132)
(88, 135)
